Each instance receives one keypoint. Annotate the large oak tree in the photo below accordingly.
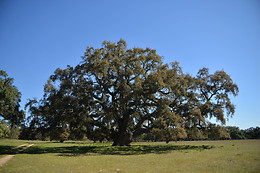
(118, 94)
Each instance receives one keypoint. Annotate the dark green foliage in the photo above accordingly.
(4, 130)
(236, 133)
(34, 132)
(217, 132)
(250, 133)
(63, 134)
(14, 132)
(9, 100)
(118, 94)
(28, 133)
(31, 133)
(212, 132)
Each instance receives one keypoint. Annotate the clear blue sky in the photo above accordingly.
(38, 36)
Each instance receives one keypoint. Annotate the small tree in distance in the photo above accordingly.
(123, 93)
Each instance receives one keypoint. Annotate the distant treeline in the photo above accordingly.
(213, 132)
(250, 133)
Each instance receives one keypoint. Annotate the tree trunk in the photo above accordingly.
(122, 139)
(123, 136)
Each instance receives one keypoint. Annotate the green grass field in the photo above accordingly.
(185, 156)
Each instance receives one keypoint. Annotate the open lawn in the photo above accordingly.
(184, 156)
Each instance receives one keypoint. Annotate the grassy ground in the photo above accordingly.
(193, 156)
(6, 146)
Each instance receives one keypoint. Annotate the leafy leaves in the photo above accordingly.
(9, 100)
(117, 93)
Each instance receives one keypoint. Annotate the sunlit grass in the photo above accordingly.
(186, 156)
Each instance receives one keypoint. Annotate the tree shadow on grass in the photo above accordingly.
(108, 150)
(6, 149)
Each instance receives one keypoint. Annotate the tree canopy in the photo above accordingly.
(10, 98)
(116, 93)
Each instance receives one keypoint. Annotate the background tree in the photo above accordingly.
(9, 100)
(4, 130)
(236, 133)
(61, 134)
(252, 133)
(122, 93)
(14, 132)
(217, 132)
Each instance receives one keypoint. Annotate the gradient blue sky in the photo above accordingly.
(38, 36)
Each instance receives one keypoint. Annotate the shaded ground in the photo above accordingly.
(104, 149)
